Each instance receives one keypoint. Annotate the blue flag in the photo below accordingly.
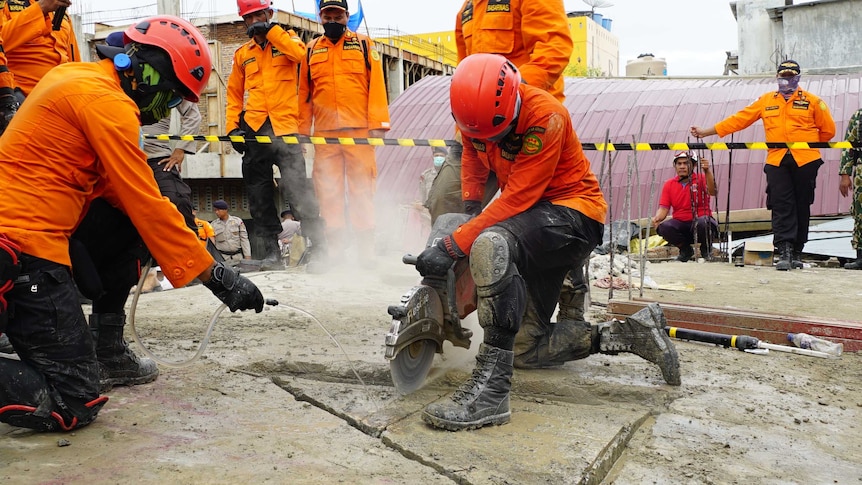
(355, 19)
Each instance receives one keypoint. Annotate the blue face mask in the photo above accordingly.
(787, 85)
(438, 161)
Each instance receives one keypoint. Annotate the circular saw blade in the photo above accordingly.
(410, 366)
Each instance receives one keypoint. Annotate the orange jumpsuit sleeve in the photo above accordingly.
(32, 47)
(741, 119)
(545, 31)
(378, 103)
(306, 115)
(525, 186)
(7, 80)
(533, 35)
(235, 91)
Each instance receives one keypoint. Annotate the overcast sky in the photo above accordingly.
(692, 35)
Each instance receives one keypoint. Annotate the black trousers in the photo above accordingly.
(789, 194)
(51, 337)
(295, 186)
(550, 241)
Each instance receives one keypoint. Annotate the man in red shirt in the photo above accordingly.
(549, 216)
(682, 196)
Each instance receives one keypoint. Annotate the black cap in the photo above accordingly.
(220, 204)
(789, 67)
(342, 4)
(440, 151)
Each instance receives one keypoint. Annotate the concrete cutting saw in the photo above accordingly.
(429, 314)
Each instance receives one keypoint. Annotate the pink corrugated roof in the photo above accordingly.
(668, 108)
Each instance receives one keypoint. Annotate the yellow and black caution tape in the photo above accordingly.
(411, 142)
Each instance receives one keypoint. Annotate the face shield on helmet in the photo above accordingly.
(484, 96)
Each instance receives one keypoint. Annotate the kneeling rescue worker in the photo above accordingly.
(76, 139)
(549, 217)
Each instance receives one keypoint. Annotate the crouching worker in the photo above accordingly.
(549, 217)
(76, 140)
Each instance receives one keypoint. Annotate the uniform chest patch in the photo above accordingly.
(478, 145)
(770, 108)
(467, 13)
(499, 6)
(18, 5)
(800, 104)
(352, 44)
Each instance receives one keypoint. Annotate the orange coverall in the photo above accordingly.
(344, 98)
(549, 166)
(90, 148)
(6, 78)
(269, 76)
(32, 48)
(802, 117)
(533, 35)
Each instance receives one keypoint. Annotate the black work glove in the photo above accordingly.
(234, 290)
(437, 259)
(239, 146)
(472, 207)
(8, 108)
(261, 28)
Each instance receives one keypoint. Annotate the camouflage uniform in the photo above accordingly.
(850, 159)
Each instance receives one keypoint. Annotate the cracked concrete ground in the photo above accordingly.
(275, 400)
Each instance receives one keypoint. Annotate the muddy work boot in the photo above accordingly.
(118, 365)
(643, 334)
(855, 264)
(796, 261)
(483, 399)
(272, 261)
(686, 252)
(785, 256)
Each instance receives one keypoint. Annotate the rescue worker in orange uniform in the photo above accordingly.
(789, 114)
(266, 68)
(32, 47)
(535, 37)
(96, 109)
(343, 94)
(550, 216)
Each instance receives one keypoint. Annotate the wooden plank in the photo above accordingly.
(768, 327)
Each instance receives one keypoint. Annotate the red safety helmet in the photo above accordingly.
(246, 7)
(184, 44)
(484, 95)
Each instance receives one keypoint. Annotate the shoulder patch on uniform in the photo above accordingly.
(532, 144)
(823, 106)
(375, 55)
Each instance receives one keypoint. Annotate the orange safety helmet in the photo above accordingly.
(484, 95)
(246, 7)
(184, 44)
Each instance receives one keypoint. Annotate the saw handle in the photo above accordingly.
(741, 342)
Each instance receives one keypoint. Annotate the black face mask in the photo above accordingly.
(333, 30)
